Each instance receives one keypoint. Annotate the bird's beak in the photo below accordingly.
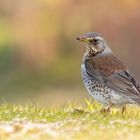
(82, 38)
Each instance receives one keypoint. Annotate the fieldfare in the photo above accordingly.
(106, 78)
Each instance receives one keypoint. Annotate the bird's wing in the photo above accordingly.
(116, 76)
(124, 83)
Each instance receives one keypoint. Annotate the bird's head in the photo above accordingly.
(95, 42)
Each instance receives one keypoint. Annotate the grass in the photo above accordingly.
(68, 123)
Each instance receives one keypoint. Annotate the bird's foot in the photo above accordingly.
(78, 111)
(105, 110)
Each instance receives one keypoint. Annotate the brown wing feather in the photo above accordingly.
(106, 65)
(112, 71)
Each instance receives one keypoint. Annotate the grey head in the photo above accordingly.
(95, 43)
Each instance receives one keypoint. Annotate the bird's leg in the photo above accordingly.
(106, 110)
(123, 109)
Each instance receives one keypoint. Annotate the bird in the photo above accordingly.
(105, 76)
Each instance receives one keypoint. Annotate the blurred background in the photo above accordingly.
(39, 56)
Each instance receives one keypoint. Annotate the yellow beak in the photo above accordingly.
(82, 38)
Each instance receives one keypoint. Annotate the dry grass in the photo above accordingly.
(68, 123)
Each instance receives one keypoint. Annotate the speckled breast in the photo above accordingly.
(95, 89)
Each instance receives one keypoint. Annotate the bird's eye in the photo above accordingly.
(95, 40)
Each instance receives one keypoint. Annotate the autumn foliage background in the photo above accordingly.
(39, 56)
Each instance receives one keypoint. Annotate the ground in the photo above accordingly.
(71, 122)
